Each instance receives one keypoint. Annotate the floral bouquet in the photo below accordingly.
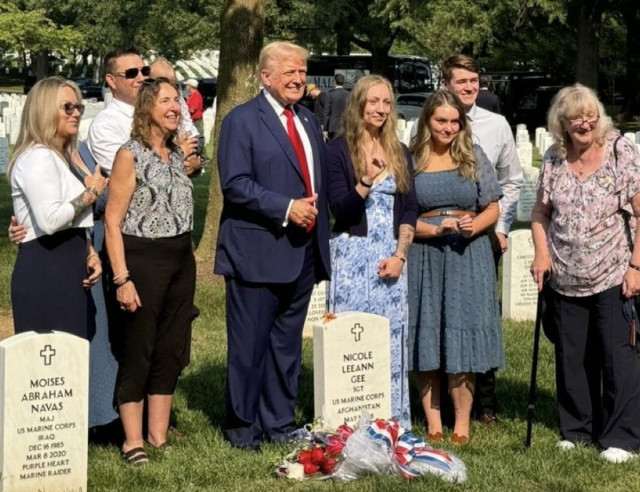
(317, 452)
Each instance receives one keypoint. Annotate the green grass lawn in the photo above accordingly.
(201, 461)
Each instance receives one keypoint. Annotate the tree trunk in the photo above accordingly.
(588, 27)
(241, 35)
(632, 87)
(343, 36)
(42, 64)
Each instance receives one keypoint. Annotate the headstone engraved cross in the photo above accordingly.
(357, 331)
(44, 388)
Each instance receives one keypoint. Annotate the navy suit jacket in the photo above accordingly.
(259, 176)
(333, 109)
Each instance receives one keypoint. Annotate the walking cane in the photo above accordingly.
(534, 371)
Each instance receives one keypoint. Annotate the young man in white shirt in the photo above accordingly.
(491, 131)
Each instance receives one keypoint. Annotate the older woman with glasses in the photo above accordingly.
(148, 223)
(587, 200)
(56, 263)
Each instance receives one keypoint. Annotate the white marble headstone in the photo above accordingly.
(317, 308)
(631, 136)
(44, 388)
(351, 368)
(525, 153)
(527, 193)
(519, 291)
(4, 154)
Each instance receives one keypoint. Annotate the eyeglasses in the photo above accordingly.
(132, 73)
(69, 108)
(592, 121)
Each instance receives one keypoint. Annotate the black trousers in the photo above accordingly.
(484, 396)
(597, 368)
(155, 340)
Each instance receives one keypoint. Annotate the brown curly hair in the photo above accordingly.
(147, 95)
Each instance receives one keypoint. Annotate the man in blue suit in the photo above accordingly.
(273, 245)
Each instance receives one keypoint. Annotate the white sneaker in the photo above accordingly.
(616, 455)
(565, 445)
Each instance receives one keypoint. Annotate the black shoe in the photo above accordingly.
(488, 419)
(195, 313)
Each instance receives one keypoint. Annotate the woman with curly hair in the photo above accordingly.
(148, 223)
(454, 322)
(372, 198)
(582, 224)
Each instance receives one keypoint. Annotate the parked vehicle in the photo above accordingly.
(88, 88)
(409, 105)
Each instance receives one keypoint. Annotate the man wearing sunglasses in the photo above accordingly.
(111, 128)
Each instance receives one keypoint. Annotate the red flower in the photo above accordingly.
(328, 466)
(310, 469)
(316, 455)
(305, 457)
(344, 431)
(334, 446)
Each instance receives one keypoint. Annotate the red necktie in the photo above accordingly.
(298, 148)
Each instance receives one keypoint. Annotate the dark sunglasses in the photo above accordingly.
(69, 108)
(132, 73)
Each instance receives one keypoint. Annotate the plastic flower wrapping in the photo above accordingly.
(380, 447)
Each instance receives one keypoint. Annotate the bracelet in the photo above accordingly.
(365, 184)
(635, 267)
(91, 255)
(122, 275)
(92, 189)
(120, 284)
(401, 258)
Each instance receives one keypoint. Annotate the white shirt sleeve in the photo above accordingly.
(41, 182)
(509, 174)
(186, 125)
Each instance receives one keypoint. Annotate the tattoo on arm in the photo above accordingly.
(405, 238)
(79, 204)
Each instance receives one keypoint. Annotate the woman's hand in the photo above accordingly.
(448, 226)
(631, 283)
(540, 269)
(390, 267)
(465, 224)
(188, 144)
(94, 269)
(97, 181)
(127, 297)
(375, 165)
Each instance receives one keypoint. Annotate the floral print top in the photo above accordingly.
(162, 202)
(587, 237)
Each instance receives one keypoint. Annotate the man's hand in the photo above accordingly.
(502, 239)
(17, 233)
(303, 211)
(192, 164)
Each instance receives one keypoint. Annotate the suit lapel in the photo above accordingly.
(272, 122)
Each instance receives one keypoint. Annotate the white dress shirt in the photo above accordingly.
(110, 130)
(186, 123)
(42, 187)
(492, 133)
(306, 143)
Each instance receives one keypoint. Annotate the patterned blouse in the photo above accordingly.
(162, 202)
(587, 237)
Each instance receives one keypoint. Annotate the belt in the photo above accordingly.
(450, 213)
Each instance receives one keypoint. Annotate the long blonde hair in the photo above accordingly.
(461, 146)
(39, 123)
(353, 129)
(569, 103)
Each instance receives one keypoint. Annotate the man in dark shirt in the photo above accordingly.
(487, 99)
(336, 101)
(320, 101)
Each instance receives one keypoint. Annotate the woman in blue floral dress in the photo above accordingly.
(373, 202)
(453, 309)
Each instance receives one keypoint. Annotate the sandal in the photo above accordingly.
(135, 457)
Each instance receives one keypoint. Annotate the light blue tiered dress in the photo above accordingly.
(356, 286)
